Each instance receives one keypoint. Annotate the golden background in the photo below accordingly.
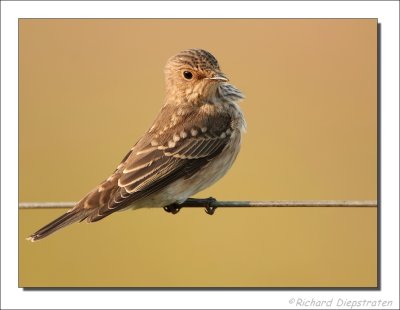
(88, 89)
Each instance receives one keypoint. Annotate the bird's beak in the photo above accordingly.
(220, 77)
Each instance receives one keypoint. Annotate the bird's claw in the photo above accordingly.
(173, 208)
(209, 209)
(208, 205)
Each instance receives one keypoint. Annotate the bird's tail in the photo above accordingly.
(72, 216)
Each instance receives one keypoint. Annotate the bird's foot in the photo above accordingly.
(173, 208)
(207, 202)
(209, 208)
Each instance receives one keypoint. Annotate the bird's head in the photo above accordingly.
(193, 75)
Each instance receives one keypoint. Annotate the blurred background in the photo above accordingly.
(89, 88)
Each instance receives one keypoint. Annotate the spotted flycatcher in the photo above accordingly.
(192, 143)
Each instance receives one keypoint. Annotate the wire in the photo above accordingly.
(201, 203)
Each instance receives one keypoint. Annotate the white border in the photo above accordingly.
(14, 298)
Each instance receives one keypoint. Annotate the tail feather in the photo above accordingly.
(60, 222)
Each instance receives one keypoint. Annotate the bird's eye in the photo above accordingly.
(187, 75)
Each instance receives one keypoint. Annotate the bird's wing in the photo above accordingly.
(175, 147)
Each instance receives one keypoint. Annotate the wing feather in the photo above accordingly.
(154, 163)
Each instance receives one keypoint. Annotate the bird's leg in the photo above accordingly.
(207, 202)
(173, 208)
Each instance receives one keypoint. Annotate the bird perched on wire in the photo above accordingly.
(192, 143)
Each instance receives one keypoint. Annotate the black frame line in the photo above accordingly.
(379, 180)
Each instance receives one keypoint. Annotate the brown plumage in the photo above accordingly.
(191, 144)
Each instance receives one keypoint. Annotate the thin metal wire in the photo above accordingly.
(235, 204)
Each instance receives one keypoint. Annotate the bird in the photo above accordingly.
(192, 143)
